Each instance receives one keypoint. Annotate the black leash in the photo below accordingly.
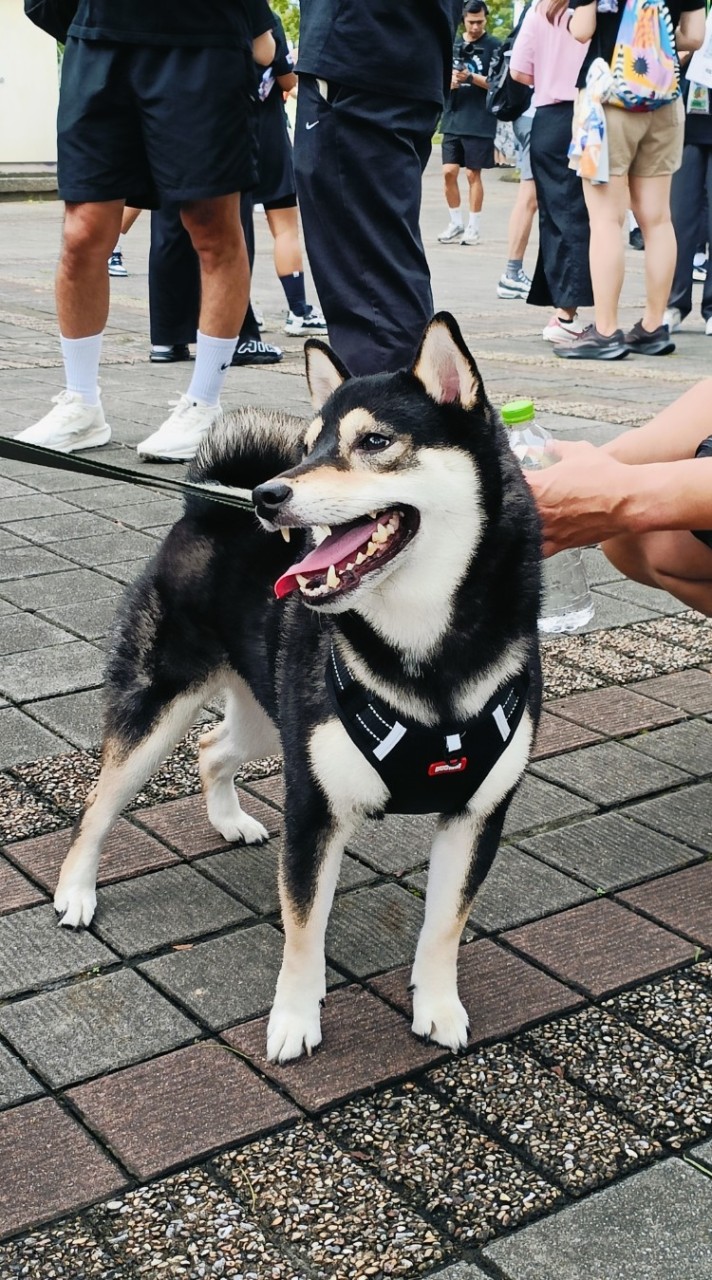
(19, 451)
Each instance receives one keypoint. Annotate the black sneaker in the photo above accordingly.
(593, 345)
(644, 343)
(253, 352)
(635, 238)
(170, 355)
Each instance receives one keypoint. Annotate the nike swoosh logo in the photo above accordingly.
(313, 124)
(223, 367)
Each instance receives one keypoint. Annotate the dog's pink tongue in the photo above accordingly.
(331, 551)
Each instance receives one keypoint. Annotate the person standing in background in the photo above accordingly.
(468, 127)
(156, 102)
(371, 85)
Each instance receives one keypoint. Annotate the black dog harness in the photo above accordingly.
(426, 770)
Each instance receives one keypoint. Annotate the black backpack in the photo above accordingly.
(53, 16)
(506, 98)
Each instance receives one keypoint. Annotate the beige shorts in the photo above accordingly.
(646, 144)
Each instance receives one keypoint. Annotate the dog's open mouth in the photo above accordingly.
(348, 553)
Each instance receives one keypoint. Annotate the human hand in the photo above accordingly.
(581, 499)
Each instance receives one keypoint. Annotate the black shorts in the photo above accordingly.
(151, 123)
(704, 450)
(276, 186)
(469, 153)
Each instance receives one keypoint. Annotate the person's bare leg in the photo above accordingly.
(521, 219)
(284, 225)
(607, 205)
(130, 215)
(217, 237)
(82, 283)
(452, 190)
(673, 561)
(476, 190)
(650, 201)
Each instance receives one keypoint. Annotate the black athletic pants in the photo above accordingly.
(562, 277)
(687, 196)
(359, 159)
(174, 277)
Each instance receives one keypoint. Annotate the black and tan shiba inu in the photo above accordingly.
(389, 649)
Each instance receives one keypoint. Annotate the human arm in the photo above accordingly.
(582, 23)
(690, 32)
(589, 496)
(263, 49)
(522, 58)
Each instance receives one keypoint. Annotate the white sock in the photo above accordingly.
(456, 219)
(632, 224)
(212, 361)
(473, 223)
(81, 365)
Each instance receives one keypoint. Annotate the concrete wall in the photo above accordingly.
(29, 89)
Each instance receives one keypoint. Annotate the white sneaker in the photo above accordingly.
(312, 322)
(177, 438)
(514, 287)
(673, 319)
(452, 234)
(471, 237)
(558, 330)
(708, 328)
(72, 424)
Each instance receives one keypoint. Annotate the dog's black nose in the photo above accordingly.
(271, 496)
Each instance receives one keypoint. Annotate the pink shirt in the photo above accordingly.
(550, 54)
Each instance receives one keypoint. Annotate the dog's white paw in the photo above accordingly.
(440, 1018)
(292, 1032)
(76, 904)
(240, 828)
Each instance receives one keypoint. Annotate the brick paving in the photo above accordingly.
(142, 1132)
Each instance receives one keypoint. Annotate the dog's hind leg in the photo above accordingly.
(245, 733)
(125, 768)
(462, 852)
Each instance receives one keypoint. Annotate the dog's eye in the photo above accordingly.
(373, 442)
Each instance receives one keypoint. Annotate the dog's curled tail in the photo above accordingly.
(244, 448)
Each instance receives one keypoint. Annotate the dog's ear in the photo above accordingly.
(445, 367)
(325, 372)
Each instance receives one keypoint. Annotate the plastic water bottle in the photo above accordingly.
(567, 603)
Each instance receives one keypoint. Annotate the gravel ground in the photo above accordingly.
(22, 814)
(453, 1171)
(323, 1204)
(67, 1251)
(65, 780)
(677, 1011)
(566, 1134)
(189, 1226)
(665, 1094)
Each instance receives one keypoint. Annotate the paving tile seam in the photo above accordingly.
(539, 855)
(669, 969)
(617, 1108)
(524, 1156)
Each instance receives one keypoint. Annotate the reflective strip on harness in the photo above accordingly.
(426, 770)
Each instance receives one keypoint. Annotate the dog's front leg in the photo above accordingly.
(309, 870)
(462, 852)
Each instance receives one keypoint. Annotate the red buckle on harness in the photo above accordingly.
(447, 766)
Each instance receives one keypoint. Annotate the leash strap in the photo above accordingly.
(40, 455)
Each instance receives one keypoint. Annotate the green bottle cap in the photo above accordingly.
(517, 411)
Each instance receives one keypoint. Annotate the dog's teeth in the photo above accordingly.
(285, 534)
(360, 558)
(371, 549)
(351, 566)
(321, 531)
(332, 578)
(373, 514)
(303, 582)
(380, 534)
